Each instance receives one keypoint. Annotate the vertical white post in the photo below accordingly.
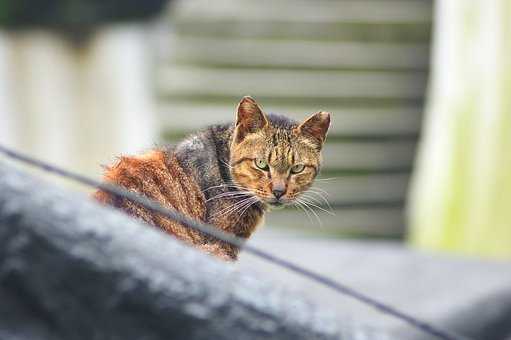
(462, 190)
(8, 120)
(43, 95)
(77, 106)
(116, 96)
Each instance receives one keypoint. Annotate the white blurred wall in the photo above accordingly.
(77, 105)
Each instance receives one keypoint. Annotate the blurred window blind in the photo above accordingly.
(365, 61)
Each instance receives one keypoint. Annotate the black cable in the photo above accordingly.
(235, 241)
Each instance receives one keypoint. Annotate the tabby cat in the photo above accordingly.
(226, 175)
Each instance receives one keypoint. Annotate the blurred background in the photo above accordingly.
(417, 164)
(419, 147)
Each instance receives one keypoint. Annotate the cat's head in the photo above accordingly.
(273, 157)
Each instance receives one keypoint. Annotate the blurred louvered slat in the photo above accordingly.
(374, 221)
(185, 81)
(349, 122)
(366, 61)
(318, 11)
(360, 189)
(372, 156)
(397, 32)
(381, 20)
(301, 54)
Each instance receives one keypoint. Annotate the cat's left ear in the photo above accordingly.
(250, 118)
(316, 126)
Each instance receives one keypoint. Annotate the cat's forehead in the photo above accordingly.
(284, 145)
(278, 137)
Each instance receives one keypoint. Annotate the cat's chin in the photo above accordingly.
(276, 206)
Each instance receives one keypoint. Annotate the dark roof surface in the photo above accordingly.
(71, 269)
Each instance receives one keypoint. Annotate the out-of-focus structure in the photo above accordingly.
(114, 278)
(77, 97)
(80, 83)
(462, 193)
(75, 79)
(365, 61)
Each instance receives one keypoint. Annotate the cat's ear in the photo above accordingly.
(250, 118)
(316, 126)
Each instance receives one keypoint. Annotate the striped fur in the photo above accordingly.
(211, 175)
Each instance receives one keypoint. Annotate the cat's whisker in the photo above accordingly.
(331, 213)
(307, 205)
(238, 208)
(227, 195)
(318, 189)
(312, 198)
(230, 207)
(327, 179)
(318, 198)
(245, 210)
(228, 185)
(313, 204)
(251, 204)
(322, 197)
(300, 205)
(230, 194)
(239, 191)
(321, 193)
(226, 164)
(320, 222)
(233, 207)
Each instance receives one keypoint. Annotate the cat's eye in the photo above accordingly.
(296, 169)
(262, 164)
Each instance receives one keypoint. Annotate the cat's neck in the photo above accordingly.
(222, 138)
(206, 155)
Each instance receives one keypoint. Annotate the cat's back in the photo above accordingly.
(159, 176)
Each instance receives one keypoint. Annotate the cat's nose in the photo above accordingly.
(278, 193)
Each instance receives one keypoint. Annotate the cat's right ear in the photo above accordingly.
(250, 118)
